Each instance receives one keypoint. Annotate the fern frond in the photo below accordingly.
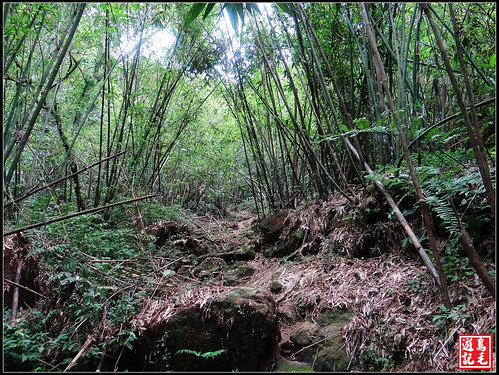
(444, 211)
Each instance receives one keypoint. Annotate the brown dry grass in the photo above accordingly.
(392, 298)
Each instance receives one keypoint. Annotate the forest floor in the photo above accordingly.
(398, 322)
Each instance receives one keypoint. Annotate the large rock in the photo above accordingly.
(164, 230)
(242, 322)
(306, 334)
(329, 355)
(272, 226)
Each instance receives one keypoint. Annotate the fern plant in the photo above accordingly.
(205, 355)
(444, 211)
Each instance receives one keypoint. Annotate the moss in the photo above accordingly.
(307, 333)
(299, 234)
(244, 270)
(337, 317)
(332, 356)
(275, 287)
(283, 365)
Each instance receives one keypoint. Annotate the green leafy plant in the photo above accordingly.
(454, 265)
(206, 355)
(446, 316)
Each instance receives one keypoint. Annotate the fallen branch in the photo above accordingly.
(318, 342)
(470, 251)
(24, 287)
(61, 218)
(400, 216)
(60, 180)
(85, 348)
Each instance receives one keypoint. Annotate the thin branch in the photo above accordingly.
(60, 180)
(23, 287)
(61, 218)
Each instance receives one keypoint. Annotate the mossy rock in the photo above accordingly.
(244, 270)
(272, 226)
(244, 253)
(210, 267)
(332, 356)
(333, 316)
(229, 279)
(276, 287)
(243, 321)
(283, 365)
(307, 333)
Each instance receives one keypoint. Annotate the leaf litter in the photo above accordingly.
(396, 306)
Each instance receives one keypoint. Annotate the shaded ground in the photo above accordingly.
(395, 304)
(329, 264)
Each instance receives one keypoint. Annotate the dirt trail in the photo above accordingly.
(394, 301)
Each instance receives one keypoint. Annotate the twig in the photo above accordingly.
(75, 214)
(59, 180)
(318, 342)
(83, 350)
(205, 232)
(446, 341)
(24, 287)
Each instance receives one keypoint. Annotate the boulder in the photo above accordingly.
(276, 287)
(164, 230)
(244, 270)
(210, 268)
(307, 333)
(329, 354)
(236, 331)
(272, 226)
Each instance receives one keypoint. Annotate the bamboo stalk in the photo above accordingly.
(380, 70)
(470, 251)
(15, 294)
(48, 87)
(61, 218)
(59, 180)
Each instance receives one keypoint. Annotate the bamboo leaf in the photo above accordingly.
(208, 10)
(250, 7)
(285, 7)
(193, 13)
(232, 12)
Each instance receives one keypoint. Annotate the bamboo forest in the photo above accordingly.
(263, 187)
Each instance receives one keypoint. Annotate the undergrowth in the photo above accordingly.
(98, 276)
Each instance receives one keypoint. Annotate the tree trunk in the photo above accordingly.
(419, 192)
(472, 127)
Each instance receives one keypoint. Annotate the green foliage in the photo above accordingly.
(446, 316)
(82, 292)
(27, 342)
(235, 12)
(206, 355)
(376, 362)
(98, 239)
(444, 212)
(204, 148)
(455, 265)
(421, 284)
(152, 212)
